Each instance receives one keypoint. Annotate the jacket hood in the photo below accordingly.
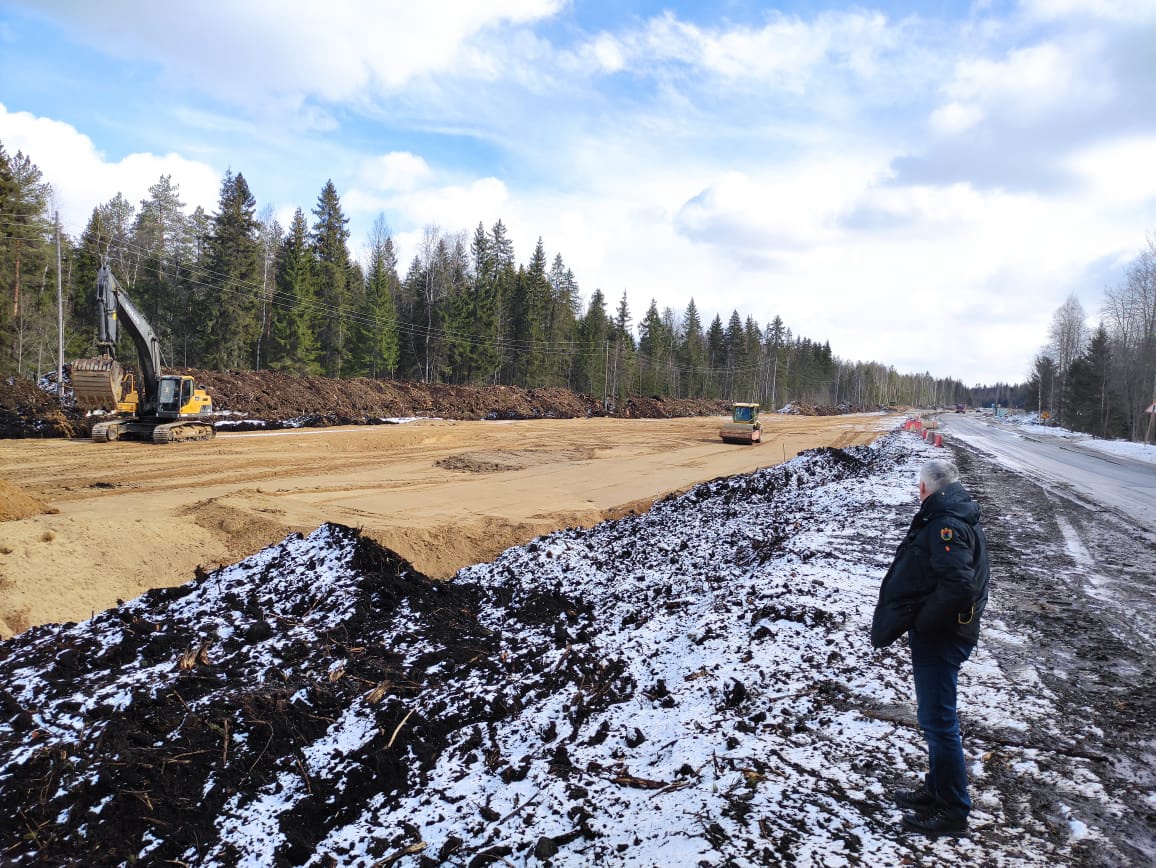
(952, 501)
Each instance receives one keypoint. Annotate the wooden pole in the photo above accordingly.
(59, 317)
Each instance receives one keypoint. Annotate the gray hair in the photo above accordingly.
(937, 474)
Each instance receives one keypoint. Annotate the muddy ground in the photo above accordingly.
(1078, 622)
(691, 686)
(102, 522)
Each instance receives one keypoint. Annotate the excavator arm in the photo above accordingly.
(114, 310)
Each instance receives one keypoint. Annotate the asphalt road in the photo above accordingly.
(1115, 483)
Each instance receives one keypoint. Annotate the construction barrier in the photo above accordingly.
(939, 440)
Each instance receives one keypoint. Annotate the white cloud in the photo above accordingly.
(1107, 10)
(398, 171)
(1031, 82)
(795, 206)
(439, 202)
(82, 177)
(243, 52)
(955, 118)
(1119, 171)
(607, 53)
(785, 52)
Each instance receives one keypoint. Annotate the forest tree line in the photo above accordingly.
(1102, 381)
(234, 289)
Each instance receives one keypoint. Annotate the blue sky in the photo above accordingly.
(921, 184)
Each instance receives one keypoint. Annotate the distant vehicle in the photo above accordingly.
(744, 426)
(959, 408)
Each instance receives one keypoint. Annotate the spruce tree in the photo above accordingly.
(505, 280)
(381, 289)
(734, 353)
(411, 322)
(715, 356)
(539, 313)
(485, 312)
(594, 348)
(296, 314)
(651, 343)
(232, 305)
(693, 352)
(562, 322)
(332, 264)
(622, 368)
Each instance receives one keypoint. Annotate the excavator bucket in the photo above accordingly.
(97, 383)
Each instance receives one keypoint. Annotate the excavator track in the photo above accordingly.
(106, 432)
(182, 431)
(135, 429)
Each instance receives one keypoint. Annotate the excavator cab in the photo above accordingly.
(179, 396)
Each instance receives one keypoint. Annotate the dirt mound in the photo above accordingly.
(268, 399)
(15, 504)
(327, 680)
(26, 410)
(799, 408)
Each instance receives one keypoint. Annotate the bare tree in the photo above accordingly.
(1130, 318)
(1068, 338)
(269, 233)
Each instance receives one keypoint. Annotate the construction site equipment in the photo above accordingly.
(744, 426)
(153, 406)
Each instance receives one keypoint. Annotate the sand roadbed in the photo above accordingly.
(126, 517)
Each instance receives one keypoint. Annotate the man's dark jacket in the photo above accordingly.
(938, 580)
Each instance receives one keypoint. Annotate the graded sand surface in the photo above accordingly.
(134, 516)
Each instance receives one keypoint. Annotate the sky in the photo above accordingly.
(919, 184)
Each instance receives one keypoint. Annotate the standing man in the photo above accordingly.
(936, 591)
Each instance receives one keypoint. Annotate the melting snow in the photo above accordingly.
(692, 686)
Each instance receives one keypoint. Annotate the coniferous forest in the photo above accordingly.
(236, 290)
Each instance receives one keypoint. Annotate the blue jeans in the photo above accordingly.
(936, 663)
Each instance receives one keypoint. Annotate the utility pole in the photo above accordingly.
(1151, 414)
(59, 318)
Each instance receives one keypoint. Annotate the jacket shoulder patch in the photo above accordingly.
(945, 534)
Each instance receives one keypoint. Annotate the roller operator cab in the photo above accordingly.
(744, 426)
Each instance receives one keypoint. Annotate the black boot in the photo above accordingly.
(918, 800)
(935, 823)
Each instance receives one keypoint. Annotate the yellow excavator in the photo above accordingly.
(744, 426)
(152, 406)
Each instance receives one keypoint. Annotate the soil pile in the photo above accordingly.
(688, 686)
(800, 408)
(270, 399)
(16, 504)
(26, 410)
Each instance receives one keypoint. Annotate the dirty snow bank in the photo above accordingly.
(1031, 423)
(692, 686)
